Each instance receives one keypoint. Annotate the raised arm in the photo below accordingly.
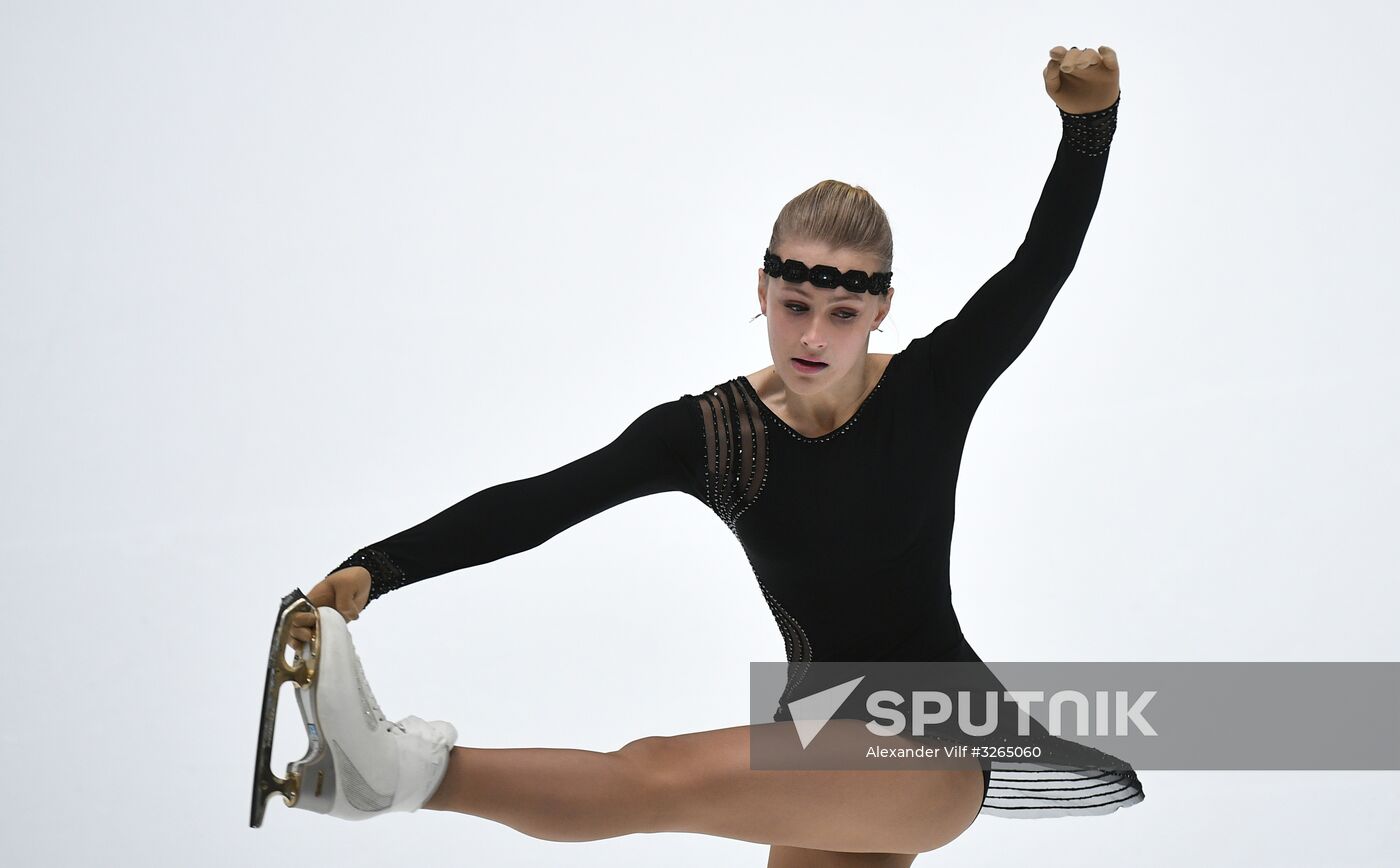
(970, 351)
(657, 452)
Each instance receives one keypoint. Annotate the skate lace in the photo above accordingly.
(371, 704)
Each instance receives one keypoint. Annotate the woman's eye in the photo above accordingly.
(840, 314)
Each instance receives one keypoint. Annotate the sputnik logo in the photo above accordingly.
(812, 713)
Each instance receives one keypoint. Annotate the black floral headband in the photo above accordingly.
(826, 276)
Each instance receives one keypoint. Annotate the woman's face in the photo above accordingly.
(827, 325)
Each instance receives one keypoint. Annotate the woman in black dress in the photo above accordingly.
(829, 443)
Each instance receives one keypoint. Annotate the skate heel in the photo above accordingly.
(313, 774)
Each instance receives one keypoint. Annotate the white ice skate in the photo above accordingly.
(358, 764)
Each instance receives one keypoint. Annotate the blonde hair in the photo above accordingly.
(840, 216)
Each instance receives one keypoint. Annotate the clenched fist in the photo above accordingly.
(1082, 80)
(346, 591)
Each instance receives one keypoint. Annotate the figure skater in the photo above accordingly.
(836, 469)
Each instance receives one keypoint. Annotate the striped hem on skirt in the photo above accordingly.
(1028, 790)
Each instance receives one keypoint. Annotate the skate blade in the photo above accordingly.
(302, 673)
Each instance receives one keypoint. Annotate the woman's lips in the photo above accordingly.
(807, 367)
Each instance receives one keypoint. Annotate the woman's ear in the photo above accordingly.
(886, 300)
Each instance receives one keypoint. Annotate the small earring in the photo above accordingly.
(878, 329)
(755, 316)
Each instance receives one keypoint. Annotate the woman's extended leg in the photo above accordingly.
(701, 782)
(796, 857)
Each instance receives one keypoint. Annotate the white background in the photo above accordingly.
(280, 279)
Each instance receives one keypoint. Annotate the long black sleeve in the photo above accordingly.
(659, 451)
(969, 352)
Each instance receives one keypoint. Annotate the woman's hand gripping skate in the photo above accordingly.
(347, 591)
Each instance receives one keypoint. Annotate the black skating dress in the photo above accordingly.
(895, 460)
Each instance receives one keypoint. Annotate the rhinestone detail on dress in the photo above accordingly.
(1090, 134)
(736, 469)
(803, 438)
(384, 574)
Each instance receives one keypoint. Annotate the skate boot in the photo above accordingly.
(358, 764)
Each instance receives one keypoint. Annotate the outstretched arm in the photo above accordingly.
(970, 351)
(652, 455)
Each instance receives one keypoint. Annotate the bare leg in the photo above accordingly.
(796, 857)
(701, 782)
